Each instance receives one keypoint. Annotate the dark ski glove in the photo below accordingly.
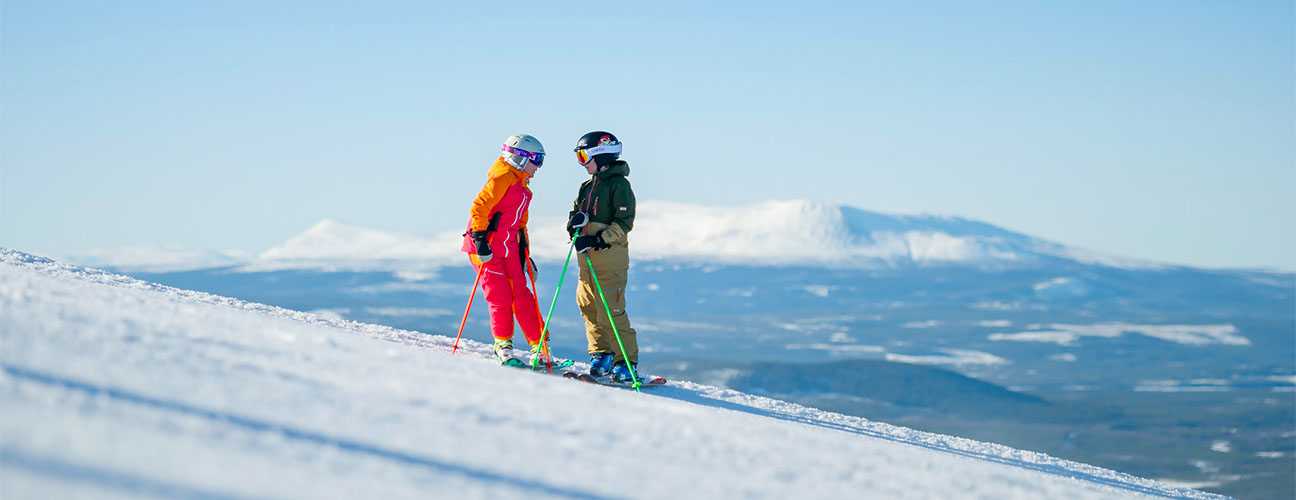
(523, 246)
(575, 221)
(585, 242)
(481, 239)
(535, 271)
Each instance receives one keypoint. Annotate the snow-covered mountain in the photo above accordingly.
(158, 258)
(804, 233)
(115, 387)
(332, 241)
(776, 233)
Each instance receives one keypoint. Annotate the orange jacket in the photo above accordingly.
(505, 194)
(502, 176)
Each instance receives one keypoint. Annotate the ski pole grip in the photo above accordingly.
(578, 220)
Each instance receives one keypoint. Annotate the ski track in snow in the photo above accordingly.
(69, 410)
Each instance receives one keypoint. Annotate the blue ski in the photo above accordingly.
(649, 381)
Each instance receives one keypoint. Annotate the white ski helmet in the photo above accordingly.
(519, 148)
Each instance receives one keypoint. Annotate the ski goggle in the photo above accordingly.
(584, 155)
(536, 158)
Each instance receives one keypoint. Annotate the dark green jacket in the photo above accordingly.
(607, 197)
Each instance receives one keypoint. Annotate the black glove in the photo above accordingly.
(575, 221)
(535, 271)
(585, 242)
(482, 241)
(522, 249)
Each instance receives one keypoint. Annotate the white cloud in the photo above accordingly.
(1196, 335)
(820, 290)
(840, 348)
(999, 305)
(1175, 386)
(954, 357)
(679, 325)
(1060, 338)
(408, 311)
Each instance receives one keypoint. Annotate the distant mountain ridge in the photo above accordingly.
(332, 240)
(773, 233)
(803, 233)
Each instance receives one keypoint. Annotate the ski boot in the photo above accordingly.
(621, 373)
(504, 351)
(600, 364)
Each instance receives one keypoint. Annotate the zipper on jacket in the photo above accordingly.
(589, 194)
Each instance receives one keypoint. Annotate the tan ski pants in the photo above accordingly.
(611, 266)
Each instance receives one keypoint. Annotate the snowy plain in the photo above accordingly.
(113, 387)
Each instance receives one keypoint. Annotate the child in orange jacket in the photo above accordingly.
(497, 241)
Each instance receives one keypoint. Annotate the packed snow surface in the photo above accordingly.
(118, 388)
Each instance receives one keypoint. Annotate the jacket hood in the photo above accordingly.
(501, 167)
(618, 167)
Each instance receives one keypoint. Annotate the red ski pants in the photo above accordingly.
(505, 285)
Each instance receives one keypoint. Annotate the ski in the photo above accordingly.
(650, 381)
(517, 363)
(560, 364)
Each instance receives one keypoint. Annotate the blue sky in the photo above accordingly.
(1156, 130)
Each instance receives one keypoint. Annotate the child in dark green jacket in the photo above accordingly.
(603, 214)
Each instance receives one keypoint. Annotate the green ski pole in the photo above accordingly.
(544, 332)
(598, 287)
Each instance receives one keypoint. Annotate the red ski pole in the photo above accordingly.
(544, 342)
(471, 296)
(544, 332)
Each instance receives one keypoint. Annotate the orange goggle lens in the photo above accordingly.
(582, 156)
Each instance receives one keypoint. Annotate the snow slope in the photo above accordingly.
(118, 388)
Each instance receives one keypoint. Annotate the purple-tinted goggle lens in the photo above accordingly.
(536, 158)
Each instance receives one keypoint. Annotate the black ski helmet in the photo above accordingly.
(602, 146)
